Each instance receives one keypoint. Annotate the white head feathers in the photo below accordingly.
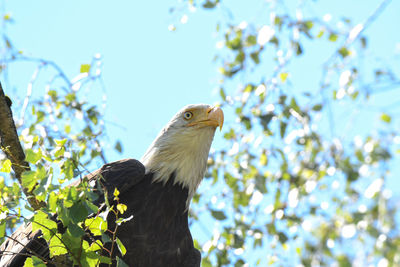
(182, 147)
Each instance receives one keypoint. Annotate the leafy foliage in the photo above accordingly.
(63, 136)
(293, 186)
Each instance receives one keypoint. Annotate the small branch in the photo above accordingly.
(12, 148)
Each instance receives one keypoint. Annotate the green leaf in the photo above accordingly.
(93, 115)
(34, 262)
(97, 226)
(344, 261)
(222, 93)
(263, 159)
(246, 121)
(209, 4)
(282, 128)
(2, 229)
(67, 128)
(105, 260)
(239, 263)
(29, 179)
(363, 41)
(52, 201)
(265, 120)
(294, 105)
(118, 146)
(1, 183)
(94, 247)
(308, 24)
(251, 40)
(33, 157)
(317, 107)
(283, 76)
(105, 238)
(206, 262)
(40, 116)
(282, 237)
(255, 56)
(67, 168)
(72, 194)
(59, 152)
(278, 21)
(121, 263)
(7, 16)
(92, 208)
(344, 52)
(333, 37)
(43, 223)
(61, 142)
(298, 48)
(219, 215)
(75, 230)
(386, 118)
(121, 247)
(78, 212)
(56, 247)
(85, 68)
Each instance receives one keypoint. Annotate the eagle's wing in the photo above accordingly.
(122, 174)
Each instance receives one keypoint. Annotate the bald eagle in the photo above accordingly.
(157, 192)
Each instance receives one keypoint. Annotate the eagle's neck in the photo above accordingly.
(180, 154)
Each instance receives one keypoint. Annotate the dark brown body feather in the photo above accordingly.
(157, 235)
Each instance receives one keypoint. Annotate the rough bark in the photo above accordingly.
(11, 146)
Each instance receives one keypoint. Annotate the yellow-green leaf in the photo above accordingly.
(34, 262)
(60, 142)
(6, 167)
(85, 68)
(7, 16)
(56, 247)
(97, 226)
(283, 76)
(386, 118)
(116, 192)
(121, 208)
(33, 157)
(29, 179)
(42, 222)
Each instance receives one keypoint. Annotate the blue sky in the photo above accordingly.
(150, 72)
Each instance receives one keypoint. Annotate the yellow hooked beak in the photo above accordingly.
(214, 116)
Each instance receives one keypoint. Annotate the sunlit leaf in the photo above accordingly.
(386, 118)
(6, 166)
(29, 179)
(121, 247)
(34, 262)
(85, 68)
(121, 208)
(32, 157)
(56, 246)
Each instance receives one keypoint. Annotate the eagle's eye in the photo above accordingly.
(187, 115)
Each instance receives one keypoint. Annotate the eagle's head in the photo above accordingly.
(182, 146)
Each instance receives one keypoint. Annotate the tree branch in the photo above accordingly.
(12, 147)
